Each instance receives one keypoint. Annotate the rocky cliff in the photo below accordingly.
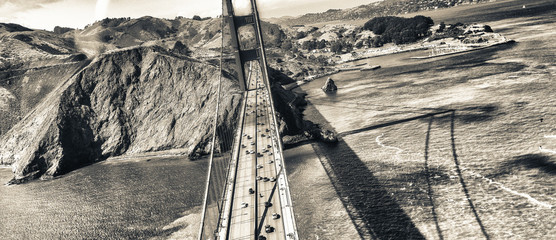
(130, 101)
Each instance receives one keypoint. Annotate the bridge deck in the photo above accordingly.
(257, 170)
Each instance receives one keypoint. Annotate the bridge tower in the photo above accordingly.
(244, 56)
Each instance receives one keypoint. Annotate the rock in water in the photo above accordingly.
(329, 86)
(130, 101)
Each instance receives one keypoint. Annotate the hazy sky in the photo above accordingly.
(45, 14)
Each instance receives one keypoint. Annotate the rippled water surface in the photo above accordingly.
(110, 200)
(453, 147)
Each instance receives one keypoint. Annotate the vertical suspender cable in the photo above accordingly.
(215, 125)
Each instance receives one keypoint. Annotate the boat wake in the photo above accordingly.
(379, 142)
(509, 190)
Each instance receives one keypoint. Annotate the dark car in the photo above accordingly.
(269, 229)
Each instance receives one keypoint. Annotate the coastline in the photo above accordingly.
(402, 49)
(466, 50)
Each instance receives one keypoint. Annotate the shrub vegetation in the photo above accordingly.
(399, 30)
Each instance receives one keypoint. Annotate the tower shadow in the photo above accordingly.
(373, 211)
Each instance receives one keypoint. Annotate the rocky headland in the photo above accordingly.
(130, 101)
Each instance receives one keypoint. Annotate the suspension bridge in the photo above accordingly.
(247, 194)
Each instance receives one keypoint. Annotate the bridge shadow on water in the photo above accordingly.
(374, 212)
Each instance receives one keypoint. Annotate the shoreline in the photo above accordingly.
(359, 68)
(179, 152)
(466, 50)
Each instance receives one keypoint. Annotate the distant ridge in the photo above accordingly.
(376, 9)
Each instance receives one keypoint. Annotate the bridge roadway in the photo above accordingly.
(256, 194)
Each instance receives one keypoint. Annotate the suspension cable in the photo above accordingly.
(215, 126)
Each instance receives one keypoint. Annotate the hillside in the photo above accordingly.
(109, 108)
(23, 47)
(376, 9)
(32, 63)
(115, 33)
(201, 36)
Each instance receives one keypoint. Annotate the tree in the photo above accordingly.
(286, 45)
(400, 30)
(300, 35)
(377, 41)
(181, 48)
(197, 18)
(346, 46)
(441, 27)
(322, 60)
(313, 44)
(321, 44)
(106, 38)
(336, 47)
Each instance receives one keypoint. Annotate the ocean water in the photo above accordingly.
(127, 199)
(451, 147)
